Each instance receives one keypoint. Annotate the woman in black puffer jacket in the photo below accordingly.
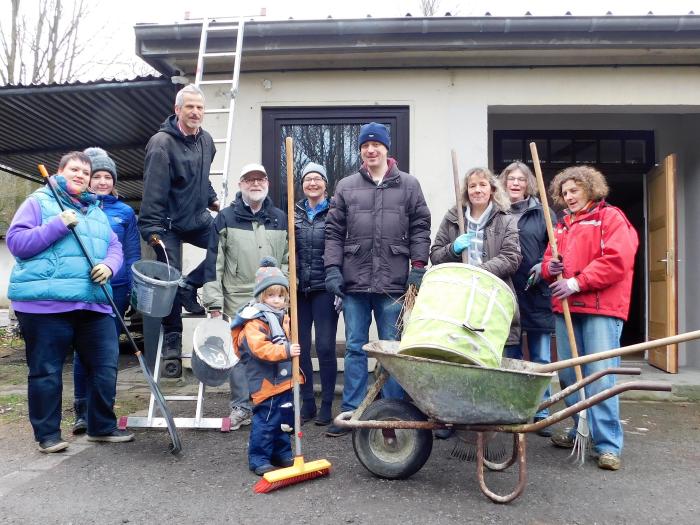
(315, 304)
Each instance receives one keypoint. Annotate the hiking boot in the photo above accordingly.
(308, 411)
(285, 463)
(563, 439)
(80, 409)
(118, 436)
(264, 469)
(324, 416)
(545, 431)
(48, 446)
(172, 345)
(187, 294)
(336, 431)
(239, 417)
(609, 461)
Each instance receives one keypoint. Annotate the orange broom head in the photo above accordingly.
(297, 473)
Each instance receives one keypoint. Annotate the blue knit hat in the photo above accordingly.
(375, 132)
(101, 161)
(268, 275)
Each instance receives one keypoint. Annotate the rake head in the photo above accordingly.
(495, 451)
(582, 443)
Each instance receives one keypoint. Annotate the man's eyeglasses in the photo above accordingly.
(251, 181)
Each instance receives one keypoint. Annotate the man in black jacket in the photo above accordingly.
(377, 224)
(177, 195)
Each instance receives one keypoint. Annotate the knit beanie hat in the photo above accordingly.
(268, 275)
(101, 161)
(375, 132)
(312, 167)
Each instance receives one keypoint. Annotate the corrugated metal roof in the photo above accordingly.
(42, 122)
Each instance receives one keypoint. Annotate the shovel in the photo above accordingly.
(176, 444)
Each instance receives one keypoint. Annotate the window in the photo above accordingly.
(327, 136)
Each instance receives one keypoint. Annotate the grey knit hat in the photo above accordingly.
(101, 161)
(269, 275)
(312, 167)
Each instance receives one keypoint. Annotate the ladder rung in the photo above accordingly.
(180, 398)
(216, 110)
(220, 54)
(206, 82)
(219, 141)
(222, 28)
(216, 172)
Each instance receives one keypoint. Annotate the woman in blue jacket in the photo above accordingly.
(534, 296)
(122, 219)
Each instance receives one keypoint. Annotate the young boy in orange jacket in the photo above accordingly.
(261, 341)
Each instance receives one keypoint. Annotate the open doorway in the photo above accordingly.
(624, 157)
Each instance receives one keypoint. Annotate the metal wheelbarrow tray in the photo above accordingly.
(393, 438)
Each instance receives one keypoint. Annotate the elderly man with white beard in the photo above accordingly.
(247, 230)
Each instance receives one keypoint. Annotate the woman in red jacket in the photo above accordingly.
(597, 245)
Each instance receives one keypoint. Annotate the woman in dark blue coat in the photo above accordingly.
(316, 305)
(534, 296)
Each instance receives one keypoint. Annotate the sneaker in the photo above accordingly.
(324, 416)
(308, 412)
(563, 439)
(336, 431)
(284, 463)
(264, 469)
(172, 345)
(51, 445)
(609, 461)
(118, 436)
(188, 299)
(239, 417)
(80, 426)
(545, 431)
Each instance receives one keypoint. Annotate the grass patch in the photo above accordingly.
(13, 408)
(13, 374)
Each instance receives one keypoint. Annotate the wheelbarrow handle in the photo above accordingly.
(625, 350)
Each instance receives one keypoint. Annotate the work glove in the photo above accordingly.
(462, 242)
(154, 239)
(214, 312)
(561, 289)
(415, 276)
(534, 275)
(69, 218)
(338, 304)
(555, 267)
(100, 273)
(334, 281)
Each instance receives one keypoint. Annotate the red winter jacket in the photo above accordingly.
(598, 249)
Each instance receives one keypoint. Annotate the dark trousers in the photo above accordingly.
(173, 245)
(120, 294)
(49, 339)
(316, 310)
(268, 444)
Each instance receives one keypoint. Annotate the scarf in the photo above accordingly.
(80, 199)
(476, 226)
(273, 318)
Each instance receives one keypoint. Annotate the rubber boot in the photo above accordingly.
(188, 299)
(80, 409)
(172, 345)
(325, 414)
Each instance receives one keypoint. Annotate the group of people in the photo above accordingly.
(358, 252)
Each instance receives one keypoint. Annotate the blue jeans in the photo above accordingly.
(120, 294)
(49, 338)
(594, 333)
(316, 309)
(357, 312)
(539, 345)
(267, 443)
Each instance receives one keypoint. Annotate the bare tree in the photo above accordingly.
(429, 7)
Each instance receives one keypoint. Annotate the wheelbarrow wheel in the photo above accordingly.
(392, 453)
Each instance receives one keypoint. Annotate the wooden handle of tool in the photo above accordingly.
(625, 350)
(289, 148)
(42, 170)
(555, 253)
(458, 199)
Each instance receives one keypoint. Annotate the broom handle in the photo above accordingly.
(289, 148)
(555, 254)
(458, 199)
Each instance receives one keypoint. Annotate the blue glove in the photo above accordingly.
(555, 267)
(462, 242)
(560, 289)
(334, 281)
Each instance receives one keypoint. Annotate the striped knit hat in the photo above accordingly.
(269, 275)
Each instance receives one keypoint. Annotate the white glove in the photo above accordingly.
(69, 218)
(100, 273)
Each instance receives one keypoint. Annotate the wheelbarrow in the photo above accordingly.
(393, 438)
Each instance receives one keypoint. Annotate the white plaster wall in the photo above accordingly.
(6, 264)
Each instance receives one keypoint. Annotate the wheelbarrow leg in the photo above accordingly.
(372, 393)
(522, 474)
(502, 466)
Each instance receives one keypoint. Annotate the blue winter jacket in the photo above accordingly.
(61, 272)
(122, 219)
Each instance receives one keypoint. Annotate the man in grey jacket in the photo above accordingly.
(377, 244)
(177, 195)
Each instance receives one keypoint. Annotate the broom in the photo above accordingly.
(300, 471)
(583, 433)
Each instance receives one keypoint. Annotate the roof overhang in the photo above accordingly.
(43, 122)
(434, 42)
